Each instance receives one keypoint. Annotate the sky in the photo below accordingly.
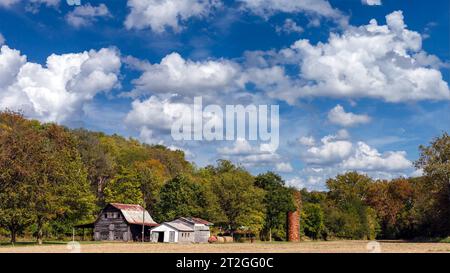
(360, 84)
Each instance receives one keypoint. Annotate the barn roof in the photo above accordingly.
(133, 214)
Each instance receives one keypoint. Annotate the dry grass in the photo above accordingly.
(303, 247)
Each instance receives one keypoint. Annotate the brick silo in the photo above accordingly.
(293, 219)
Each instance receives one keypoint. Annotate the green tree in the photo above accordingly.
(179, 197)
(278, 202)
(151, 175)
(312, 220)
(42, 175)
(59, 179)
(240, 200)
(125, 188)
(16, 144)
(348, 214)
(98, 161)
(434, 160)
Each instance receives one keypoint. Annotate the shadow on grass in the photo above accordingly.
(34, 243)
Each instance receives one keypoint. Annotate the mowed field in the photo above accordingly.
(303, 247)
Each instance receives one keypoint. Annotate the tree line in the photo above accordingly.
(52, 178)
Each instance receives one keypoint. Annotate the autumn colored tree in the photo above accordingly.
(347, 213)
(16, 144)
(434, 160)
(97, 159)
(42, 176)
(393, 202)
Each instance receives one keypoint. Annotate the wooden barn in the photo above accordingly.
(122, 222)
(183, 229)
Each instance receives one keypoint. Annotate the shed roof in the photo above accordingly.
(201, 221)
(133, 214)
(179, 226)
(195, 220)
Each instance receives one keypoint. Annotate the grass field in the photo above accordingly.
(303, 247)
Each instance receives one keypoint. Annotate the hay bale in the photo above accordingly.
(212, 239)
(228, 239)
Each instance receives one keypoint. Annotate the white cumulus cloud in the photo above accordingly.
(337, 115)
(266, 8)
(334, 150)
(372, 2)
(284, 167)
(249, 155)
(384, 62)
(336, 155)
(174, 74)
(158, 15)
(86, 15)
(289, 26)
(58, 90)
(30, 5)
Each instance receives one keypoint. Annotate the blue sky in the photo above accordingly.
(354, 93)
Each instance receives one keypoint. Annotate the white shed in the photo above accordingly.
(183, 229)
(171, 232)
(201, 228)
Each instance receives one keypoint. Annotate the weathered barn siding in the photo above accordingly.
(111, 226)
(122, 222)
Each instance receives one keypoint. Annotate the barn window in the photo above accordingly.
(111, 214)
(106, 215)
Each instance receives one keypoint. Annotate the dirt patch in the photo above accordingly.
(302, 247)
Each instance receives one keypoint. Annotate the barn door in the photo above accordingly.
(155, 237)
(171, 236)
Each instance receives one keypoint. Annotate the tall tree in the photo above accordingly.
(17, 138)
(434, 160)
(348, 214)
(312, 220)
(179, 197)
(99, 162)
(278, 201)
(151, 175)
(59, 180)
(41, 163)
(240, 200)
(125, 188)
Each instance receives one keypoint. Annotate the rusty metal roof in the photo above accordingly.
(133, 214)
(201, 221)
